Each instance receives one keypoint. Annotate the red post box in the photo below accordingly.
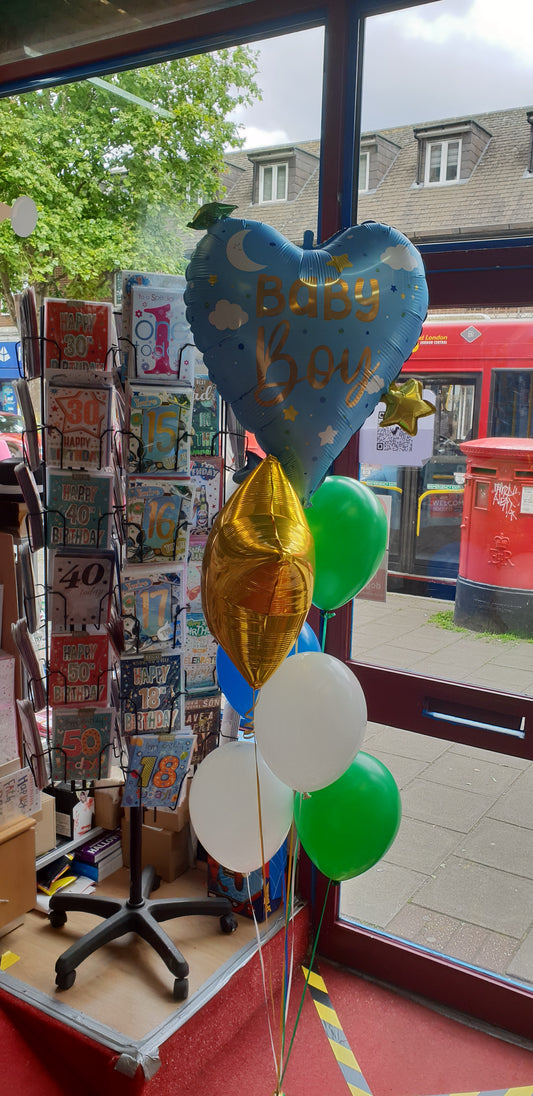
(495, 584)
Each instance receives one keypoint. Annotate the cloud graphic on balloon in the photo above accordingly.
(400, 258)
(375, 384)
(227, 316)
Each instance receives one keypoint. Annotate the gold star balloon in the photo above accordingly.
(258, 573)
(404, 405)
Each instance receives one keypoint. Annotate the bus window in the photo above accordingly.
(511, 404)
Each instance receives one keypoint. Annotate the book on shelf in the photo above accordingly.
(82, 743)
(77, 433)
(78, 336)
(151, 691)
(107, 865)
(158, 517)
(156, 769)
(159, 428)
(79, 509)
(91, 852)
(82, 585)
(52, 873)
(79, 668)
(153, 605)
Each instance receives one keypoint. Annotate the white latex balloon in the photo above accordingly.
(23, 216)
(310, 720)
(224, 807)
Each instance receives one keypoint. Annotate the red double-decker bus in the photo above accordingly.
(479, 374)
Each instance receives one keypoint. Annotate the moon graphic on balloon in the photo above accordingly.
(236, 254)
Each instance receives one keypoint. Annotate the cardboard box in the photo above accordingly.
(166, 850)
(45, 825)
(107, 803)
(17, 870)
(171, 820)
(234, 886)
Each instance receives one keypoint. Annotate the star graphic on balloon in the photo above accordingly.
(212, 279)
(339, 262)
(327, 436)
(404, 405)
(290, 413)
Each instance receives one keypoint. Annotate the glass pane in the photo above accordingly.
(511, 405)
(281, 182)
(458, 879)
(435, 156)
(452, 160)
(267, 184)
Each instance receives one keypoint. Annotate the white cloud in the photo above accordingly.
(227, 315)
(400, 258)
(509, 25)
(375, 384)
(262, 138)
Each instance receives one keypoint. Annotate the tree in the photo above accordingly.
(116, 182)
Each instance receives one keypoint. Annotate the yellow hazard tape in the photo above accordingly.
(7, 959)
(345, 1057)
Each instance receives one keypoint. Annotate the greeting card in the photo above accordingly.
(81, 743)
(79, 509)
(206, 474)
(153, 607)
(78, 335)
(77, 426)
(159, 428)
(151, 691)
(157, 768)
(158, 517)
(82, 584)
(161, 335)
(79, 669)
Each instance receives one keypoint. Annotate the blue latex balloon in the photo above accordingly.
(302, 343)
(234, 686)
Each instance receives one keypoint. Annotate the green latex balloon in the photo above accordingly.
(348, 826)
(349, 528)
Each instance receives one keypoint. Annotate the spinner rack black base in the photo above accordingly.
(138, 913)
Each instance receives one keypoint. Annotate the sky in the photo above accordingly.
(431, 62)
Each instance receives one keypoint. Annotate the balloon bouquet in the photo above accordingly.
(302, 344)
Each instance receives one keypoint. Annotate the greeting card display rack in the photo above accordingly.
(104, 447)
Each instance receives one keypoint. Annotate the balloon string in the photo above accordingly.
(288, 959)
(311, 961)
(324, 617)
(263, 976)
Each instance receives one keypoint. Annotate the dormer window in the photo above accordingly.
(443, 162)
(449, 151)
(376, 158)
(273, 183)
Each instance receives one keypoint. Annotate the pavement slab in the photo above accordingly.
(499, 845)
(460, 771)
(422, 846)
(452, 808)
(481, 895)
(377, 896)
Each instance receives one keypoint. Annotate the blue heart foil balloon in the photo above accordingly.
(302, 343)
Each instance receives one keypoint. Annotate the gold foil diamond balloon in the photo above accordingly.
(257, 575)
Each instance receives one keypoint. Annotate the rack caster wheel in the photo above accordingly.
(228, 923)
(65, 981)
(181, 989)
(57, 918)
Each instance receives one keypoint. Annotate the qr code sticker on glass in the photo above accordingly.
(393, 439)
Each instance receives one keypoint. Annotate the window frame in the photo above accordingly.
(274, 168)
(444, 144)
